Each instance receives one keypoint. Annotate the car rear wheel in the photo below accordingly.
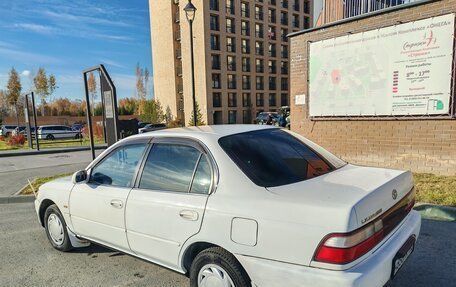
(56, 229)
(50, 137)
(218, 268)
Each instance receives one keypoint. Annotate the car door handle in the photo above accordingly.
(189, 215)
(116, 203)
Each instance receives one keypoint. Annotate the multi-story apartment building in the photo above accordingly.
(241, 55)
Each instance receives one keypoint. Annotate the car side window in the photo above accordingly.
(202, 180)
(169, 167)
(118, 168)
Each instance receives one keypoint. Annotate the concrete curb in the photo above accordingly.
(47, 151)
(17, 199)
(436, 212)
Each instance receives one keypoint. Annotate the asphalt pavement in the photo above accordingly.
(27, 259)
(14, 171)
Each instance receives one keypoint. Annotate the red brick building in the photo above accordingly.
(421, 144)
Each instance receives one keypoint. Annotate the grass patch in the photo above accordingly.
(40, 181)
(51, 144)
(435, 189)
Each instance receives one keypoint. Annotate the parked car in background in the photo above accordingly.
(142, 124)
(238, 205)
(6, 130)
(24, 131)
(151, 127)
(267, 118)
(77, 127)
(52, 132)
(18, 130)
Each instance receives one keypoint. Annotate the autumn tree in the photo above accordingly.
(142, 81)
(14, 91)
(127, 106)
(92, 87)
(199, 117)
(52, 85)
(153, 112)
(41, 87)
(3, 105)
(168, 115)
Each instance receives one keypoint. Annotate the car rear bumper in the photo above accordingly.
(373, 271)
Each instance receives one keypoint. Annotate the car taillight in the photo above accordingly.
(343, 248)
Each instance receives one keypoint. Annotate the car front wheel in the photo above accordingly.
(217, 267)
(56, 229)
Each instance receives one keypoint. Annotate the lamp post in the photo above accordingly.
(190, 10)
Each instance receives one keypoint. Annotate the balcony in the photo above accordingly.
(177, 17)
(335, 10)
(178, 35)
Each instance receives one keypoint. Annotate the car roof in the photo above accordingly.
(200, 132)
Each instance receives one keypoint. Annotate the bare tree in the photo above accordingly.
(14, 91)
(52, 84)
(92, 87)
(140, 88)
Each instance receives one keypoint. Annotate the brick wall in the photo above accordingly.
(417, 145)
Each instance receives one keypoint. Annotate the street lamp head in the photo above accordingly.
(190, 10)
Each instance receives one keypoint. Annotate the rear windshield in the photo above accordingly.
(274, 157)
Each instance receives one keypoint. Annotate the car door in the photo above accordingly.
(167, 205)
(97, 208)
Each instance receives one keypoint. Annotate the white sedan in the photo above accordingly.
(238, 206)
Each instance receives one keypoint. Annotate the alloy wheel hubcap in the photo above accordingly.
(212, 275)
(55, 229)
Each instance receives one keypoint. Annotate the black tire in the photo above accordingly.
(76, 136)
(50, 137)
(221, 258)
(65, 244)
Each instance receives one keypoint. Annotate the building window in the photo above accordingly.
(216, 100)
(231, 63)
(245, 28)
(230, 25)
(284, 33)
(259, 31)
(259, 83)
(284, 51)
(272, 15)
(306, 22)
(272, 33)
(272, 83)
(272, 50)
(284, 84)
(284, 3)
(231, 81)
(296, 21)
(245, 12)
(246, 100)
(245, 82)
(230, 45)
(218, 119)
(296, 5)
(259, 66)
(215, 59)
(216, 83)
(245, 46)
(284, 18)
(230, 7)
(272, 67)
(259, 12)
(272, 2)
(232, 117)
(306, 7)
(215, 42)
(232, 100)
(284, 68)
(246, 64)
(259, 50)
(214, 23)
(284, 100)
(259, 99)
(272, 100)
(214, 5)
(246, 117)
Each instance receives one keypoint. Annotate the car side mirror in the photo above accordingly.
(80, 176)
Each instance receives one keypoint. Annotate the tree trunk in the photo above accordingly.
(17, 116)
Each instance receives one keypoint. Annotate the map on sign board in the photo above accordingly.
(397, 70)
